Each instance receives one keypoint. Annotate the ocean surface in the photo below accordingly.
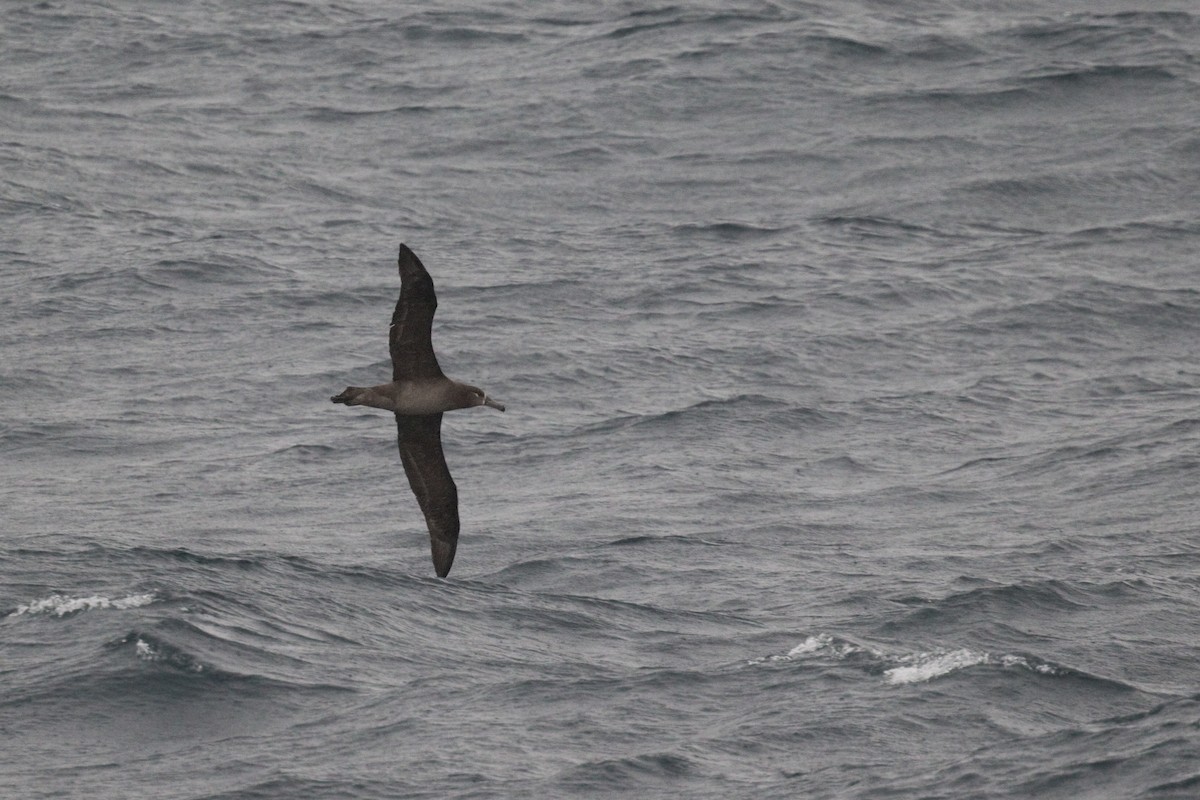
(850, 354)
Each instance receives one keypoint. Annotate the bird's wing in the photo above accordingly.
(412, 322)
(420, 439)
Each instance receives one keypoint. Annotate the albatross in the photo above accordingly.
(418, 395)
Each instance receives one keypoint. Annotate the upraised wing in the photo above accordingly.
(420, 439)
(409, 338)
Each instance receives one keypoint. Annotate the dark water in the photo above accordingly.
(849, 349)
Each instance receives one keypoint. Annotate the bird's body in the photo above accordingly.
(414, 396)
(418, 394)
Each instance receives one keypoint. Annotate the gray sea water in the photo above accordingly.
(852, 445)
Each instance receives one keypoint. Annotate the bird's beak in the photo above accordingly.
(487, 401)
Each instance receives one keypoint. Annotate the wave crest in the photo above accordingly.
(60, 605)
(912, 667)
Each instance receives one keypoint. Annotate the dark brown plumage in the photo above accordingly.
(418, 394)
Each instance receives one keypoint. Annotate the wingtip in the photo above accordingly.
(406, 254)
(443, 555)
(408, 263)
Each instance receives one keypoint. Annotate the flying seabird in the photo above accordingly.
(418, 394)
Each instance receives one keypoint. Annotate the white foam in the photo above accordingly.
(821, 643)
(145, 652)
(927, 666)
(811, 645)
(60, 604)
(909, 667)
(1021, 661)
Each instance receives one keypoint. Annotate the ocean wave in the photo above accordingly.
(665, 18)
(667, 540)
(1134, 230)
(234, 644)
(1097, 76)
(1030, 600)
(164, 276)
(47, 435)
(460, 35)
(974, 98)
(877, 226)
(60, 605)
(733, 407)
(730, 231)
(900, 668)
(923, 667)
(335, 115)
(352, 787)
(628, 772)
(301, 453)
(154, 650)
(1136, 31)
(1090, 183)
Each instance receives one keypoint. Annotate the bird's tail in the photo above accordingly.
(348, 396)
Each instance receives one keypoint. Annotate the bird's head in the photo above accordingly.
(480, 398)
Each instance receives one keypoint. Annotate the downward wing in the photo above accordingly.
(412, 322)
(420, 439)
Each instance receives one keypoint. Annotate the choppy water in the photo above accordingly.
(850, 357)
